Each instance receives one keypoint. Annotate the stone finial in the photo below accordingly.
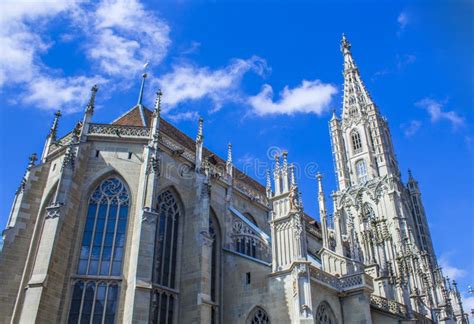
(319, 176)
(157, 107)
(228, 164)
(91, 104)
(345, 45)
(292, 175)
(200, 134)
(54, 128)
(269, 181)
(277, 163)
(285, 160)
(229, 153)
(32, 160)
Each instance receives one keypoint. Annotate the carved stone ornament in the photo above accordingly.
(53, 211)
(149, 215)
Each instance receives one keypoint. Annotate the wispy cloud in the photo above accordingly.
(119, 36)
(436, 111)
(449, 270)
(187, 115)
(403, 20)
(187, 82)
(404, 60)
(309, 97)
(411, 128)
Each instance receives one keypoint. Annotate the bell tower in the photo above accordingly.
(361, 140)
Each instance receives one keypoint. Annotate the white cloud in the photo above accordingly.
(120, 35)
(468, 303)
(449, 270)
(309, 97)
(125, 36)
(411, 128)
(404, 60)
(403, 20)
(187, 115)
(435, 110)
(188, 82)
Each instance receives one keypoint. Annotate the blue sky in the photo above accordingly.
(263, 75)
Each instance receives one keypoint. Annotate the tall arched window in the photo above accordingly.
(164, 295)
(258, 316)
(96, 287)
(324, 314)
(356, 141)
(368, 212)
(361, 171)
(215, 266)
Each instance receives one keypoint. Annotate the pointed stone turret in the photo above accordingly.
(356, 97)
(199, 145)
(285, 173)
(277, 175)
(88, 113)
(322, 211)
(268, 184)
(51, 138)
(228, 164)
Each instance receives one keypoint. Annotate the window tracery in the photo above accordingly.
(356, 141)
(361, 171)
(258, 316)
(101, 254)
(164, 294)
(325, 315)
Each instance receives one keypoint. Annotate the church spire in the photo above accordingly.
(229, 160)
(356, 98)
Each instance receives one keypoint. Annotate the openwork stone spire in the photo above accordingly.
(356, 97)
(157, 108)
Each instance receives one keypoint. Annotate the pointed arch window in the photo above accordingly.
(258, 316)
(214, 232)
(361, 171)
(356, 141)
(368, 212)
(164, 294)
(97, 283)
(324, 314)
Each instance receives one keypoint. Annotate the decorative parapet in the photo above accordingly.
(342, 284)
(119, 131)
(336, 264)
(388, 305)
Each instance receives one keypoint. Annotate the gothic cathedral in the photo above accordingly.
(135, 222)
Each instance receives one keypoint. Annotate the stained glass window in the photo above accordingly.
(164, 266)
(101, 255)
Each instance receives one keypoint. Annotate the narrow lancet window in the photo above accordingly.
(361, 171)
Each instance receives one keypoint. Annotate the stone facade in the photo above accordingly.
(135, 222)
